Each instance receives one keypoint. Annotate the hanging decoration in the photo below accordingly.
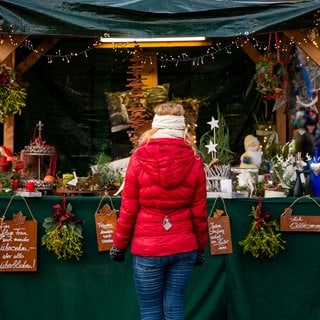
(63, 232)
(12, 94)
(271, 74)
(59, 55)
(219, 228)
(136, 110)
(271, 77)
(304, 74)
(264, 238)
(18, 239)
(291, 222)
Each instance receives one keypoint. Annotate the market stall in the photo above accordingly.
(232, 286)
(235, 285)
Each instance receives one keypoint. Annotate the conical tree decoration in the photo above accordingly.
(137, 112)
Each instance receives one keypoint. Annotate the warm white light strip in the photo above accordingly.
(125, 40)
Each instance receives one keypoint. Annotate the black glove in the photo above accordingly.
(117, 254)
(200, 258)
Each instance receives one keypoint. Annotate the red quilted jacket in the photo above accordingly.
(164, 179)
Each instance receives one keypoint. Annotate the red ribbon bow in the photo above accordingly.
(261, 217)
(62, 217)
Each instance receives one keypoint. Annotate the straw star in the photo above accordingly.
(211, 147)
(213, 123)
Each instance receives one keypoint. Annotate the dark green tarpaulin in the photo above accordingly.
(154, 18)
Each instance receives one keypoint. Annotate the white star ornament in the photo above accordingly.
(213, 123)
(211, 147)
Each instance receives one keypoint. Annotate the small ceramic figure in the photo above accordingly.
(251, 158)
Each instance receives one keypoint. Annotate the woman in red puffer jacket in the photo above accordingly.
(163, 214)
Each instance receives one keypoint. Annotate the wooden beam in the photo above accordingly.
(151, 44)
(9, 43)
(251, 51)
(8, 124)
(256, 56)
(35, 55)
(306, 45)
(8, 133)
(7, 55)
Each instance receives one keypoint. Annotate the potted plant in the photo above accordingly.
(220, 137)
(215, 150)
(106, 176)
(280, 181)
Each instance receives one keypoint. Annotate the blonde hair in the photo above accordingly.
(172, 109)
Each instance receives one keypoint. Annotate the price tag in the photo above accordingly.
(166, 223)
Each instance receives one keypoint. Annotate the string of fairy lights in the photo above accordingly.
(59, 55)
(165, 60)
(217, 48)
(210, 52)
(169, 60)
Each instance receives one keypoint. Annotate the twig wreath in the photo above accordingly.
(271, 77)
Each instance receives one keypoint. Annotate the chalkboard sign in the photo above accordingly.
(106, 222)
(298, 223)
(220, 235)
(219, 230)
(18, 244)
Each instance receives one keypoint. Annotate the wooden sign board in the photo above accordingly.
(106, 222)
(298, 223)
(18, 244)
(220, 235)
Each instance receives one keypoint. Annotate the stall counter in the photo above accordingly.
(232, 286)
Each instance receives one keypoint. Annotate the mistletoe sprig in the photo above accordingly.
(12, 94)
(264, 238)
(63, 232)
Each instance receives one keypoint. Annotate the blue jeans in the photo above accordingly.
(161, 284)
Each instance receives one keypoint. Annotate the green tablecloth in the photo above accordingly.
(233, 287)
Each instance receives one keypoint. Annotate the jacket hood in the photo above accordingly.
(167, 161)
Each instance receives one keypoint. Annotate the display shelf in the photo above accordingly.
(51, 153)
(27, 194)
